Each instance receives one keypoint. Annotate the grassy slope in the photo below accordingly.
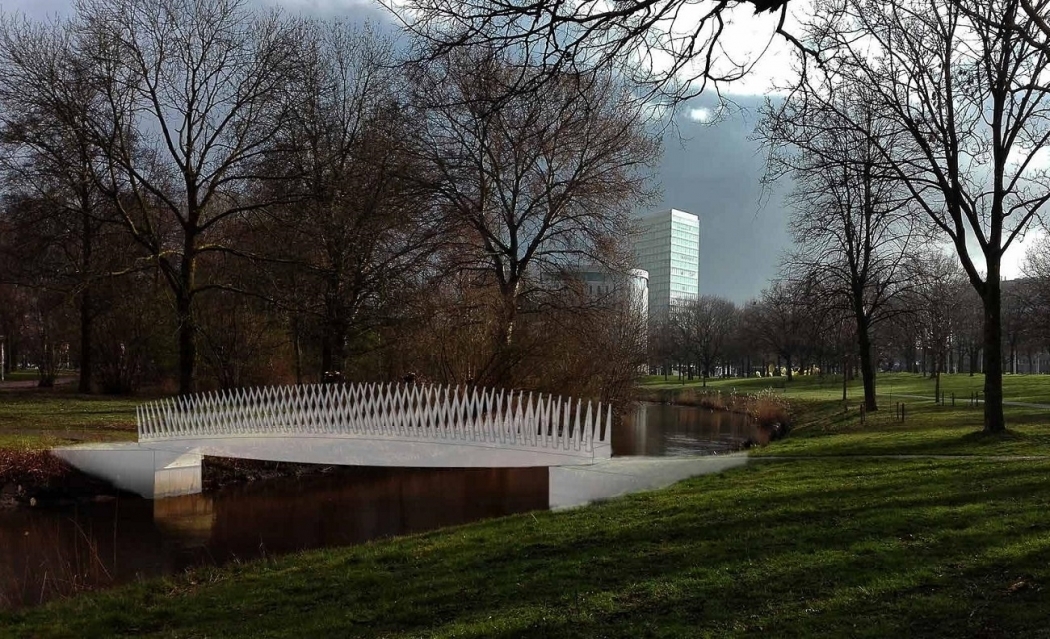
(805, 548)
(808, 547)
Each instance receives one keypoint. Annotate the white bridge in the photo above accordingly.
(354, 425)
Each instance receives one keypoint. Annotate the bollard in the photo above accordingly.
(953, 400)
(902, 412)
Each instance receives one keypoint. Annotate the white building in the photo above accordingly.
(668, 246)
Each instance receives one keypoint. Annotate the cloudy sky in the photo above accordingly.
(709, 168)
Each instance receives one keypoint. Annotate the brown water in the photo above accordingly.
(663, 430)
(53, 552)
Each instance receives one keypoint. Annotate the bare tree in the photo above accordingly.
(193, 92)
(355, 227)
(532, 184)
(707, 325)
(933, 302)
(782, 320)
(851, 219)
(970, 114)
(48, 157)
(675, 48)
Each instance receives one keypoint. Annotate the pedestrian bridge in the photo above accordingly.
(415, 425)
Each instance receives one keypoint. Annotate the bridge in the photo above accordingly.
(417, 425)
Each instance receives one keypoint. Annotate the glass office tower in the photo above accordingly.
(667, 244)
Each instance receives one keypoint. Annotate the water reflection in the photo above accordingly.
(46, 553)
(666, 430)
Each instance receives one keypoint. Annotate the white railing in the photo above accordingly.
(412, 412)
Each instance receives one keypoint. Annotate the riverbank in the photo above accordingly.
(806, 548)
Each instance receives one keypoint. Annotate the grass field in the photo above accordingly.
(42, 418)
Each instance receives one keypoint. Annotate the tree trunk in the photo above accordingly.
(994, 421)
(867, 363)
(86, 310)
(333, 347)
(297, 350)
(84, 383)
(787, 360)
(187, 324)
(845, 379)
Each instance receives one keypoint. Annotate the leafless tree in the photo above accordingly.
(1037, 270)
(674, 48)
(933, 302)
(532, 184)
(970, 116)
(852, 220)
(783, 320)
(48, 159)
(356, 226)
(193, 92)
(707, 325)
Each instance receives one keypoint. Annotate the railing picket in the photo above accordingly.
(494, 417)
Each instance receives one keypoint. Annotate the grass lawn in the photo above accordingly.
(819, 548)
(37, 419)
(825, 427)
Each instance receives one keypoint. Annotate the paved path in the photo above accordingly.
(903, 456)
(1005, 402)
(30, 384)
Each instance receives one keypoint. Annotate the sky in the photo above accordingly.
(710, 166)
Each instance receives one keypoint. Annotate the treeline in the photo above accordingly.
(930, 321)
(202, 194)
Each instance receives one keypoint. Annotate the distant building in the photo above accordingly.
(600, 281)
(668, 247)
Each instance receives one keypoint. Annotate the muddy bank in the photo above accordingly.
(219, 472)
(36, 477)
(30, 478)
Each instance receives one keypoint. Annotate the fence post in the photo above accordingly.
(902, 412)
(953, 400)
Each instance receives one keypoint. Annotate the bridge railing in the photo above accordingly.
(417, 411)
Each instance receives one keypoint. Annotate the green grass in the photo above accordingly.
(824, 426)
(821, 548)
(44, 418)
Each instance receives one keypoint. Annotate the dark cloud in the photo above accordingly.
(715, 171)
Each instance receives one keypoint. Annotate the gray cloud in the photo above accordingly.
(715, 171)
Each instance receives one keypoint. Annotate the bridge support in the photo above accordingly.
(148, 471)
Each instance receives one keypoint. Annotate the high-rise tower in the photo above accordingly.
(668, 246)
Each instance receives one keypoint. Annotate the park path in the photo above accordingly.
(1005, 402)
(30, 384)
(900, 456)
